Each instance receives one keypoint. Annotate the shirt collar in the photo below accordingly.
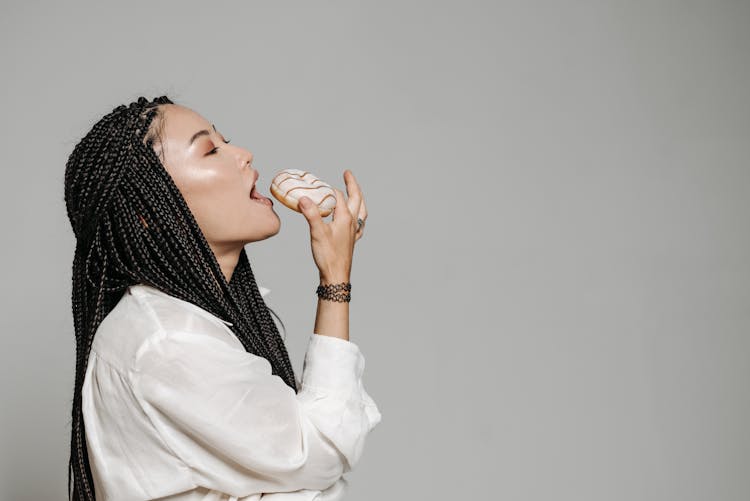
(264, 291)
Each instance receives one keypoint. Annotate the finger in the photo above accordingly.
(360, 231)
(341, 212)
(362, 216)
(363, 210)
(311, 213)
(352, 184)
(354, 192)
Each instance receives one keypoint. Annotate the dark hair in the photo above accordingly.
(132, 225)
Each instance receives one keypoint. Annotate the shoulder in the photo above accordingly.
(145, 317)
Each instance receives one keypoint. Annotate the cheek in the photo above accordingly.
(218, 204)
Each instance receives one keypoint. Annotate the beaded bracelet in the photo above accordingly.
(329, 292)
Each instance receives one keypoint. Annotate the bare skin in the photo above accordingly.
(216, 177)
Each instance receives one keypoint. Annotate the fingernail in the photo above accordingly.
(303, 203)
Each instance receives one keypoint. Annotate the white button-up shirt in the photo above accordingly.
(174, 406)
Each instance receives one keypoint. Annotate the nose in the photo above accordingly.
(245, 157)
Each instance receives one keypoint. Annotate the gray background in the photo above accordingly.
(552, 290)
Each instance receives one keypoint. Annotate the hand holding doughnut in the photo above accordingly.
(332, 243)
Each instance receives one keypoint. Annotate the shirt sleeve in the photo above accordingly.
(239, 428)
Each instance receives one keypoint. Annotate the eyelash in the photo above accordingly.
(214, 150)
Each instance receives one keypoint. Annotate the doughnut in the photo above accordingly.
(290, 184)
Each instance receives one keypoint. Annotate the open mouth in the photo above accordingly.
(257, 197)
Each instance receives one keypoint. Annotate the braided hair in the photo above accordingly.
(132, 225)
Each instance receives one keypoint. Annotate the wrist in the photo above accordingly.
(334, 279)
(339, 292)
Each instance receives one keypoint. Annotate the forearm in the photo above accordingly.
(332, 317)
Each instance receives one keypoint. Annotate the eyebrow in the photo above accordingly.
(200, 133)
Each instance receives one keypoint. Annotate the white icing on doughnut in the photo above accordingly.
(294, 183)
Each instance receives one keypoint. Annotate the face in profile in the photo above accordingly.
(215, 178)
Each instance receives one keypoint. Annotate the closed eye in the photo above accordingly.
(215, 149)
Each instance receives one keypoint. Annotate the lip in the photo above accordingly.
(255, 180)
(264, 199)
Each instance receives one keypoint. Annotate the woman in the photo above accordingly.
(184, 388)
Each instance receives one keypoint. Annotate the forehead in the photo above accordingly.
(180, 123)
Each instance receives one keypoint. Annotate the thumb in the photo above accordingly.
(311, 212)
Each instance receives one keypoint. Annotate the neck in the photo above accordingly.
(228, 255)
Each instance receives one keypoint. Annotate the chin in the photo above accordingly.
(263, 235)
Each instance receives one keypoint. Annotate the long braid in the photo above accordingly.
(132, 225)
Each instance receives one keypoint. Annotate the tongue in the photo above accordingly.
(255, 195)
